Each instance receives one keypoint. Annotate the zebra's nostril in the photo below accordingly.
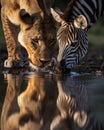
(62, 63)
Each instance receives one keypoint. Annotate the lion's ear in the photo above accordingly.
(80, 22)
(57, 15)
(25, 17)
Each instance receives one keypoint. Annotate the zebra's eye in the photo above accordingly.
(75, 41)
(34, 42)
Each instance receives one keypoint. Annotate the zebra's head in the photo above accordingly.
(72, 40)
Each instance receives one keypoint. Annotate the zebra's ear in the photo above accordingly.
(80, 118)
(80, 22)
(57, 15)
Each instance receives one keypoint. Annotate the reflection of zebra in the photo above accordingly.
(72, 105)
(72, 35)
(72, 100)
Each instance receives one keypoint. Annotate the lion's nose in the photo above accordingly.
(43, 61)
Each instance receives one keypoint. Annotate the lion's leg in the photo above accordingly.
(15, 58)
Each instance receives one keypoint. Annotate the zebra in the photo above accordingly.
(77, 19)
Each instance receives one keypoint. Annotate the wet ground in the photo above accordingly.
(92, 62)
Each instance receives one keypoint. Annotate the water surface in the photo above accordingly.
(41, 101)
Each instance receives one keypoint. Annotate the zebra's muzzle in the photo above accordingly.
(62, 63)
(61, 68)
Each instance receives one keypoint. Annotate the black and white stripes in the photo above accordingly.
(74, 43)
(91, 9)
(72, 35)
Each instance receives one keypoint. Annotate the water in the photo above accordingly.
(42, 101)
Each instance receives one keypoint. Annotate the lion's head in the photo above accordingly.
(39, 40)
(38, 33)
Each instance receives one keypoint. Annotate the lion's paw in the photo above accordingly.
(9, 63)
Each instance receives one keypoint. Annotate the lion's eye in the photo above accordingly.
(34, 42)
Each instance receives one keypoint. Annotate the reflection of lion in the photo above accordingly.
(37, 31)
(10, 106)
(36, 105)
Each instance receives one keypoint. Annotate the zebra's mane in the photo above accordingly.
(68, 10)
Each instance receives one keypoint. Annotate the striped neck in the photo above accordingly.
(92, 10)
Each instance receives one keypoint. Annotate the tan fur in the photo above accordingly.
(35, 23)
(32, 109)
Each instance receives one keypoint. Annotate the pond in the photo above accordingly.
(43, 101)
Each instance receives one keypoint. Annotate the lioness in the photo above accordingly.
(29, 22)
